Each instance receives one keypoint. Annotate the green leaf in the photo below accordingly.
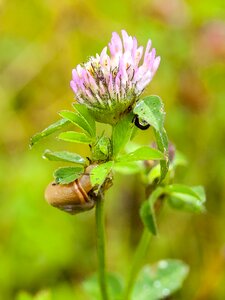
(142, 153)
(68, 174)
(186, 198)
(114, 283)
(77, 120)
(64, 156)
(200, 191)
(47, 131)
(87, 117)
(147, 211)
(75, 137)
(160, 281)
(122, 133)
(181, 189)
(132, 146)
(99, 173)
(127, 167)
(151, 110)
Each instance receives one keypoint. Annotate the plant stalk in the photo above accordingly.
(137, 261)
(100, 234)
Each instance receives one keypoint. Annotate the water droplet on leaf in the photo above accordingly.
(157, 284)
(163, 264)
(165, 292)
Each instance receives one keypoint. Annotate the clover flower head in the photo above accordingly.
(109, 85)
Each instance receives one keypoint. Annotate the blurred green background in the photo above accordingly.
(40, 42)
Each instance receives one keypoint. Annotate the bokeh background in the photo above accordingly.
(42, 248)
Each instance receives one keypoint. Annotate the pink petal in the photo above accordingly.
(156, 64)
(73, 86)
(115, 45)
(148, 47)
(127, 41)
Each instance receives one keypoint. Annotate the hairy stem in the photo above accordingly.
(100, 233)
(137, 261)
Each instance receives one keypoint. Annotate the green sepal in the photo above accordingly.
(47, 131)
(64, 156)
(66, 175)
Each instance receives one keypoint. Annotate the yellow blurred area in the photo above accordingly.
(40, 42)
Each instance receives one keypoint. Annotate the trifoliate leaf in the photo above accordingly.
(160, 281)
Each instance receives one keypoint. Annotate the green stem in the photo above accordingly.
(137, 261)
(100, 232)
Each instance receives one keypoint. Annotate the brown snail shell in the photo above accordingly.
(73, 197)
